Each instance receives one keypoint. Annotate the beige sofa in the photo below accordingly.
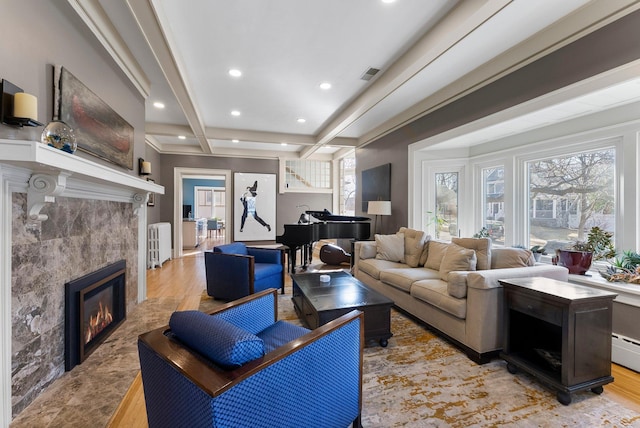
(452, 287)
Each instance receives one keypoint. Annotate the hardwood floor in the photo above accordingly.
(185, 277)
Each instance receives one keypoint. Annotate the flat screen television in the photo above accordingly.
(186, 210)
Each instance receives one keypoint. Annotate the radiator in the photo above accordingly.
(626, 352)
(159, 235)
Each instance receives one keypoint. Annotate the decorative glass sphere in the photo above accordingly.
(59, 135)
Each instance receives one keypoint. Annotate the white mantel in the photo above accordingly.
(43, 173)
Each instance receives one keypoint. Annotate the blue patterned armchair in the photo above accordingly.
(235, 270)
(239, 367)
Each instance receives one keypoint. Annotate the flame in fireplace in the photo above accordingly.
(98, 322)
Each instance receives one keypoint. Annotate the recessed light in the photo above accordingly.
(235, 113)
(234, 72)
(325, 85)
(158, 104)
(235, 141)
(283, 144)
(388, 1)
(301, 120)
(182, 137)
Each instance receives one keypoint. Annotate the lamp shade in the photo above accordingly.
(379, 208)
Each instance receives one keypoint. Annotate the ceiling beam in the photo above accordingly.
(148, 21)
(572, 27)
(455, 26)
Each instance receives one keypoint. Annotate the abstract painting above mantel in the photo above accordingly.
(99, 130)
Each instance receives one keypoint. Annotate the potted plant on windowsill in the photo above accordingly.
(538, 250)
(624, 269)
(579, 256)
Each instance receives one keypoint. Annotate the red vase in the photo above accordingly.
(578, 262)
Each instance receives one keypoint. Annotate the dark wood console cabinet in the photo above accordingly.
(558, 332)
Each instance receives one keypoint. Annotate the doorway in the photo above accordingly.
(181, 174)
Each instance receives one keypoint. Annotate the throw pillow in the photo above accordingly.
(219, 340)
(390, 247)
(435, 253)
(457, 258)
(413, 244)
(425, 251)
(502, 258)
(482, 247)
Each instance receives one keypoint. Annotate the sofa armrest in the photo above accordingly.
(362, 250)
(486, 279)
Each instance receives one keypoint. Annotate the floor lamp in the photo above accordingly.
(378, 208)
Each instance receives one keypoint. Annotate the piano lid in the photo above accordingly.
(326, 215)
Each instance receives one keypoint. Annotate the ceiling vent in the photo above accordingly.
(369, 73)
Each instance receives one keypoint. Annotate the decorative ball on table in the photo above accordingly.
(59, 135)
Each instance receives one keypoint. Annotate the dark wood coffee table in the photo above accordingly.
(317, 303)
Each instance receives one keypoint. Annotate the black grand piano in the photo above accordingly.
(330, 226)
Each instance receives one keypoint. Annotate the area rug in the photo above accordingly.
(421, 380)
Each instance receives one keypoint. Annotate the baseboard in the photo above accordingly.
(625, 351)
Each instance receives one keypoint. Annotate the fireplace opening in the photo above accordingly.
(94, 308)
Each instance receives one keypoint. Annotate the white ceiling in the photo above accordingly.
(429, 53)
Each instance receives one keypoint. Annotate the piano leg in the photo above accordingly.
(292, 259)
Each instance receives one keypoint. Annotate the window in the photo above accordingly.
(307, 174)
(445, 217)
(570, 194)
(348, 185)
(493, 203)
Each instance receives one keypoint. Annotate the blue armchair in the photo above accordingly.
(239, 367)
(235, 270)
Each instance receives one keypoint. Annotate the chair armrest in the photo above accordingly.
(267, 255)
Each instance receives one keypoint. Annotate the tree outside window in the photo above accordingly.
(569, 195)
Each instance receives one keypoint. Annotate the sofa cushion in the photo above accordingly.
(413, 243)
(434, 292)
(403, 278)
(425, 251)
(390, 247)
(457, 258)
(373, 267)
(219, 340)
(436, 252)
(482, 247)
(264, 270)
(511, 257)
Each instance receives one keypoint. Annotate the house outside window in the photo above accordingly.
(493, 203)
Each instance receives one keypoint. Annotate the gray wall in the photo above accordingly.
(56, 36)
(602, 50)
(153, 213)
(35, 35)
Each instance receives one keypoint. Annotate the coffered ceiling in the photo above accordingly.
(180, 53)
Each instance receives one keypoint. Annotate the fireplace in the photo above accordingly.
(95, 306)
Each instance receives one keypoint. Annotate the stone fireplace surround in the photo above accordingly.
(92, 216)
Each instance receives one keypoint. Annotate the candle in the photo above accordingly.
(25, 105)
(146, 168)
